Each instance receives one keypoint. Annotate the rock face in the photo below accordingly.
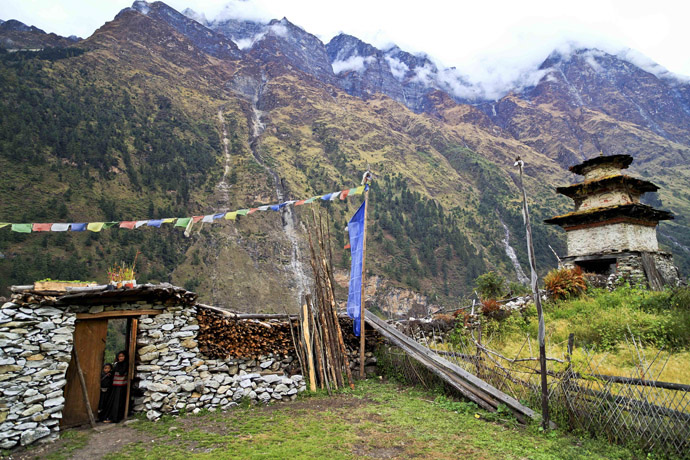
(204, 38)
(17, 35)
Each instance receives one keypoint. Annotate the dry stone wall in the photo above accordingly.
(35, 350)
(175, 376)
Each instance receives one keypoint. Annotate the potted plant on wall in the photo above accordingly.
(123, 275)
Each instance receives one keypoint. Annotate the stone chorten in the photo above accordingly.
(610, 231)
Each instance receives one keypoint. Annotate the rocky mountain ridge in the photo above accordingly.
(166, 115)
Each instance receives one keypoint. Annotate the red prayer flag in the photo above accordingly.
(344, 194)
(253, 210)
(300, 202)
(196, 219)
(41, 227)
(128, 224)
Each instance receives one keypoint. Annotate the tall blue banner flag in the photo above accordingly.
(354, 297)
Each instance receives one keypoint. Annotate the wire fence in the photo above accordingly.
(634, 410)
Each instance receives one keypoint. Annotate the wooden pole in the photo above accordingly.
(132, 356)
(84, 392)
(537, 301)
(307, 340)
(364, 259)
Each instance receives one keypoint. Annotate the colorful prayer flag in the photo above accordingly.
(41, 227)
(21, 228)
(263, 208)
(128, 224)
(359, 190)
(95, 226)
(140, 223)
(275, 207)
(196, 219)
(59, 228)
(334, 196)
(354, 295)
(344, 194)
(219, 215)
(78, 227)
(154, 223)
(183, 221)
(110, 224)
(169, 220)
(326, 197)
(253, 210)
(300, 202)
(4, 224)
(243, 212)
(208, 219)
(231, 215)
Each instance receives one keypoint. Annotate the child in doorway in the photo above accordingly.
(118, 397)
(106, 390)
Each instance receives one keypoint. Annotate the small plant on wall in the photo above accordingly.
(122, 274)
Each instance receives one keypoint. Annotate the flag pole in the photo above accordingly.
(365, 179)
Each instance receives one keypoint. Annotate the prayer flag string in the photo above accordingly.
(183, 222)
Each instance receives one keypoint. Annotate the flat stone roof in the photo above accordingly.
(588, 187)
(636, 211)
(103, 295)
(622, 160)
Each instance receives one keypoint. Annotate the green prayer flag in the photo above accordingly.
(242, 212)
(311, 200)
(4, 224)
(110, 224)
(21, 228)
(183, 222)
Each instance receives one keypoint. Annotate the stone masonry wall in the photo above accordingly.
(35, 350)
(175, 376)
(608, 238)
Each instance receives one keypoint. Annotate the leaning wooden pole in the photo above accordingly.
(362, 341)
(84, 392)
(537, 301)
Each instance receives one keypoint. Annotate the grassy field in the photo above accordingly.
(376, 420)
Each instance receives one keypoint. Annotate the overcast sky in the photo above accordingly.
(483, 39)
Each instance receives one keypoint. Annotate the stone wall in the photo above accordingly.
(174, 375)
(612, 238)
(35, 350)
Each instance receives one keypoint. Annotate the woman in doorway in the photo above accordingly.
(116, 411)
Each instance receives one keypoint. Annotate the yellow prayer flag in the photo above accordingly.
(359, 190)
(231, 215)
(169, 220)
(95, 226)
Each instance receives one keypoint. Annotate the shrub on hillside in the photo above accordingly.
(490, 285)
(492, 309)
(565, 282)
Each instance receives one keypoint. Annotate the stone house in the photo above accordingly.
(611, 231)
(41, 332)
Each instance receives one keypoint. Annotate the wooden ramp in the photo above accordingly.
(470, 386)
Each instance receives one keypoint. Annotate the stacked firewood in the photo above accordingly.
(319, 340)
(222, 336)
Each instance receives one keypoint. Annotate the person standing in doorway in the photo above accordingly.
(106, 390)
(116, 411)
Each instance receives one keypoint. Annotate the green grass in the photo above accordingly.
(379, 420)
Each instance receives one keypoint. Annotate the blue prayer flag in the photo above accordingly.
(154, 223)
(78, 227)
(354, 297)
(275, 207)
(219, 215)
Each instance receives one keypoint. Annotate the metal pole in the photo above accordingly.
(537, 301)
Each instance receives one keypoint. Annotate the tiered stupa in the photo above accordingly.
(610, 231)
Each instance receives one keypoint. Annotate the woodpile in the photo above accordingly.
(222, 336)
(319, 341)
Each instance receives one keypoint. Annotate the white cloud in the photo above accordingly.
(278, 29)
(356, 63)
(246, 43)
(398, 68)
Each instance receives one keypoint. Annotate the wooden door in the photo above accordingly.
(89, 343)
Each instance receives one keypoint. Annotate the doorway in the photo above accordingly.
(95, 336)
